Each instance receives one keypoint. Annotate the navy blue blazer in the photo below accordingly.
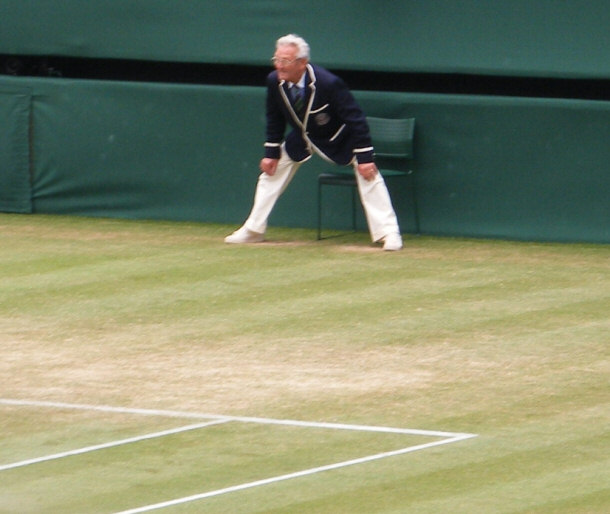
(333, 123)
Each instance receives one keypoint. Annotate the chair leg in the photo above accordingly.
(354, 190)
(354, 206)
(319, 210)
(415, 206)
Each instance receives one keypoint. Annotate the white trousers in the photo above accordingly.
(374, 196)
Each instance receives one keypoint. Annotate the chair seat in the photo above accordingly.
(345, 178)
(394, 173)
(337, 179)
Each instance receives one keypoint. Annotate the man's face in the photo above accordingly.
(288, 67)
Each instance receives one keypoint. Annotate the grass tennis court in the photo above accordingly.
(154, 363)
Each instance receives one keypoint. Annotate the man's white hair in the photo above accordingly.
(294, 40)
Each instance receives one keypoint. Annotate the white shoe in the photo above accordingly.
(244, 235)
(392, 242)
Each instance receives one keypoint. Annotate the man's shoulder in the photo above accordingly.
(324, 76)
(272, 78)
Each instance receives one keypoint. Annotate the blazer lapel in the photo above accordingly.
(310, 93)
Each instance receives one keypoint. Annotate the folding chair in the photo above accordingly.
(393, 143)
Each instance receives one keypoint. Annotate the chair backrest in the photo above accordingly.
(392, 137)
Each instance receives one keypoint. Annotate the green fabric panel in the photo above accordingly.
(485, 166)
(15, 190)
(507, 37)
(508, 167)
(146, 151)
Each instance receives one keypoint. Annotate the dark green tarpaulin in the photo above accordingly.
(541, 38)
(15, 194)
(485, 166)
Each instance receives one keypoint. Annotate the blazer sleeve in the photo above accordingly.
(354, 118)
(276, 122)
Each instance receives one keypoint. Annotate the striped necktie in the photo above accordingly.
(297, 98)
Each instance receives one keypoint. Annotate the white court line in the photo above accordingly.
(264, 421)
(111, 444)
(448, 437)
(290, 476)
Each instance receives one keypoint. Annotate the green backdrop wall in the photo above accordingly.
(486, 167)
(15, 180)
(510, 37)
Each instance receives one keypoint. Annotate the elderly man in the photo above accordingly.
(326, 120)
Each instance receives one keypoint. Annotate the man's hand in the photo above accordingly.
(368, 170)
(268, 166)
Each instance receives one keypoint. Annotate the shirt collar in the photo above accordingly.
(300, 83)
